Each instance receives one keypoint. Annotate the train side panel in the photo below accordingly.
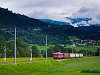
(81, 55)
(77, 55)
(66, 55)
(72, 55)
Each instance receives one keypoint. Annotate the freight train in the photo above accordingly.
(59, 55)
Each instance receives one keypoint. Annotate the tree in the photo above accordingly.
(35, 51)
(98, 52)
(58, 48)
(84, 52)
(22, 48)
(43, 53)
(53, 49)
(10, 48)
(2, 45)
(50, 51)
(69, 50)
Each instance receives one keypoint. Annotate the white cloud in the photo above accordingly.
(83, 22)
(51, 9)
(94, 21)
(87, 12)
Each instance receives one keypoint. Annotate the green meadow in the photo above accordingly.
(43, 47)
(89, 47)
(41, 66)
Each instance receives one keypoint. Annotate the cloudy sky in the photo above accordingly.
(54, 9)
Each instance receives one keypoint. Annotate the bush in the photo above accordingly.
(91, 71)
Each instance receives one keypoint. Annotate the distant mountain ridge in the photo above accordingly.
(86, 16)
(54, 22)
(74, 21)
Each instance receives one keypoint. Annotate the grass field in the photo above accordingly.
(26, 59)
(43, 47)
(90, 47)
(52, 67)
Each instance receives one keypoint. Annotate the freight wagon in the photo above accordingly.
(59, 55)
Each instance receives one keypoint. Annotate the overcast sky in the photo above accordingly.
(53, 9)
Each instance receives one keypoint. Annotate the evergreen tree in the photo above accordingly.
(2, 45)
(35, 51)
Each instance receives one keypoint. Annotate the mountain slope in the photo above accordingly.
(8, 18)
(33, 30)
(29, 29)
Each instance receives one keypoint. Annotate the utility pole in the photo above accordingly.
(94, 53)
(5, 54)
(72, 46)
(31, 55)
(14, 45)
(15, 48)
(86, 52)
(46, 48)
(72, 49)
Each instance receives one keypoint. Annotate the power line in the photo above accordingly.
(15, 48)
(46, 48)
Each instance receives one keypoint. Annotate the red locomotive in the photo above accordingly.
(58, 55)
